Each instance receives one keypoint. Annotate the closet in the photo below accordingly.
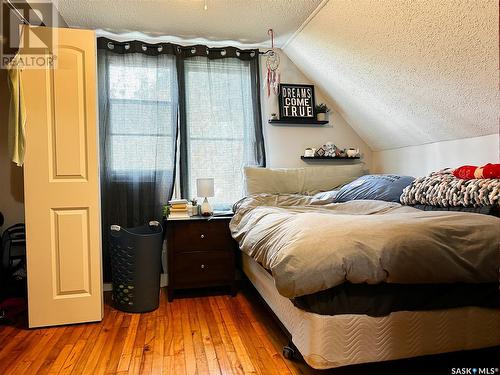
(61, 184)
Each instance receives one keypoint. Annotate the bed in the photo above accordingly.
(282, 236)
(333, 341)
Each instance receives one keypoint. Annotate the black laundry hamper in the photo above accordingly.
(136, 266)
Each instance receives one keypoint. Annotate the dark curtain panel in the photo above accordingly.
(259, 148)
(138, 130)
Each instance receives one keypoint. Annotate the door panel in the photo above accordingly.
(61, 181)
(69, 135)
(70, 250)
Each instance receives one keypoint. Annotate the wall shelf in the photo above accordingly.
(304, 122)
(315, 158)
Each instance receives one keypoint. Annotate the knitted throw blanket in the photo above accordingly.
(443, 189)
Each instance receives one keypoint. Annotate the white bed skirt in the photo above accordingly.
(333, 341)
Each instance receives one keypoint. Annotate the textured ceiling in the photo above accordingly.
(243, 21)
(406, 72)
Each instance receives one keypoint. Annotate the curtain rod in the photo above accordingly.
(184, 47)
(268, 52)
(112, 42)
(136, 46)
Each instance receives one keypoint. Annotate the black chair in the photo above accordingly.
(14, 251)
(12, 265)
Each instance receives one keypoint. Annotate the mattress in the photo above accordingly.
(333, 341)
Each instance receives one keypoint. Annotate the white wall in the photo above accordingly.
(285, 144)
(423, 159)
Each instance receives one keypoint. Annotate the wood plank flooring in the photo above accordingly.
(197, 335)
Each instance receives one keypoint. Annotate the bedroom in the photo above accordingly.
(270, 187)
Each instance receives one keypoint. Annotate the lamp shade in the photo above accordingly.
(205, 187)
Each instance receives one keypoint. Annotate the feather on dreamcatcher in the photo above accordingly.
(272, 64)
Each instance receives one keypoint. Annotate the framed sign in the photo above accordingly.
(296, 101)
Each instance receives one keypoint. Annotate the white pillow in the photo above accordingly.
(274, 180)
(307, 181)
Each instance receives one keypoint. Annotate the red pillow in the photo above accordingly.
(469, 172)
(491, 171)
(465, 172)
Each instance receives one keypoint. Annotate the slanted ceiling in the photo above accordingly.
(406, 72)
(241, 21)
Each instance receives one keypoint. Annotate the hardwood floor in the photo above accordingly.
(198, 335)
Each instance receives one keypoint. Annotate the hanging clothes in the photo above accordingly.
(17, 113)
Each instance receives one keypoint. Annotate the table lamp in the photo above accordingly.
(205, 188)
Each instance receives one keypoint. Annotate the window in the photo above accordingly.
(142, 115)
(220, 126)
(143, 138)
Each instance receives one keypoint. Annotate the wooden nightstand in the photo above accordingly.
(201, 253)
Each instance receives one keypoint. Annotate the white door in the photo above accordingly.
(61, 185)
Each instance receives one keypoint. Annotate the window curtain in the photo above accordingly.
(162, 105)
(138, 108)
(222, 132)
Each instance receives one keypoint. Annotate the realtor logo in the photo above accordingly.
(37, 43)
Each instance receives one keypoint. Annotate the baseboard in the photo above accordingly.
(108, 287)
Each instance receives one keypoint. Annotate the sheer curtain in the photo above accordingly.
(138, 131)
(223, 130)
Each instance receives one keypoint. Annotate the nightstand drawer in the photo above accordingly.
(202, 268)
(202, 236)
(201, 253)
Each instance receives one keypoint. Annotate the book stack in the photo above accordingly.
(178, 209)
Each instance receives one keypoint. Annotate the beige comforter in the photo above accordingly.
(310, 245)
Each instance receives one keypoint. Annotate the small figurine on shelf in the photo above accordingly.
(352, 152)
(321, 111)
(320, 152)
(309, 152)
(274, 116)
(329, 148)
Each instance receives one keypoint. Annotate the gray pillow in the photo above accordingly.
(382, 187)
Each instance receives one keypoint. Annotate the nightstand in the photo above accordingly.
(201, 253)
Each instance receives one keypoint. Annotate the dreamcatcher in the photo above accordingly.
(272, 64)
